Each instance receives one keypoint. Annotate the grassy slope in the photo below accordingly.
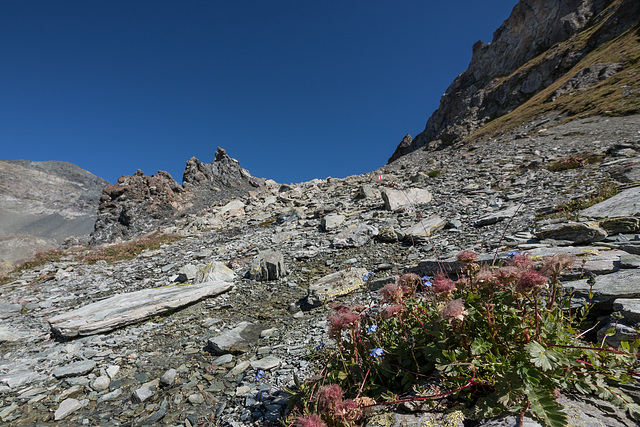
(618, 95)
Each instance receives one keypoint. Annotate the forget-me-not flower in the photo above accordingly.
(372, 329)
(376, 352)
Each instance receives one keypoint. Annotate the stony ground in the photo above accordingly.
(163, 371)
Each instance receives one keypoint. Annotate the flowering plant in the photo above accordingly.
(501, 338)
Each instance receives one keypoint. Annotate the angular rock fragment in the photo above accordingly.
(424, 228)
(236, 340)
(125, 309)
(268, 265)
(629, 308)
(400, 199)
(215, 272)
(578, 233)
(620, 225)
(75, 369)
(626, 203)
(494, 217)
(338, 283)
(354, 237)
(332, 221)
(607, 288)
(67, 407)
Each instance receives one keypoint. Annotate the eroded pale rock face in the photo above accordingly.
(42, 204)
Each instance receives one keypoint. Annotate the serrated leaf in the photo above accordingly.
(545, 408)
(634, 411)
(543, 357)
(480, 346)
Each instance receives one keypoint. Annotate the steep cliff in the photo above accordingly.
(138, 203)
(554, 45)
(42, 204)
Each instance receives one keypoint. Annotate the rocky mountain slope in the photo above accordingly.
(42, 204)
(208, 322)
(89, 340)
(137, 203)
(572, 58)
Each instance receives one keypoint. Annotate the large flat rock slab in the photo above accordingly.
(607, 288)
(625, 203)
(128, 308)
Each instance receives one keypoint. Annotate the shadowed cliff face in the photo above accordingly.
(540, 42)
(138, 203)
(42, 204)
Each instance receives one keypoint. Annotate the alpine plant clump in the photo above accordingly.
(499, 338)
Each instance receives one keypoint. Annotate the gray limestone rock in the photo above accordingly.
(101, 383)
(168, 377)
(332, 221)
(75, 369)
(355, 236)
(624, 204)
(125, 309)
(268, 265)
(400, 199)
(494, 217)
(578, 233)
(622, 333)
(338, 283)
(143, 393)
(215, 272)
(67, 407)
(236, 340)
(629, 308)
(8, 310)
(424, 228)
(607, 288)
(266, 363)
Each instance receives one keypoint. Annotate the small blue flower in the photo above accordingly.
(372, 329)
(320, 346)
(426, 281)
(512, 253)
(259, 375)
(368, 276)
(376, 352)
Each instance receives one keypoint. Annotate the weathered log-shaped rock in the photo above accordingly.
(125, 309)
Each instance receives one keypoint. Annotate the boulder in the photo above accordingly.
(400, 199)
(578, 233)
(354, 236)
(424, 228)
(624, 204)
(237, 340)
(607, 288)
(338, 283)
(332, 221)
(268, 265)
(215, 272)
(128, 308)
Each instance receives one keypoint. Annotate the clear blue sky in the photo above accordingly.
(294, 89)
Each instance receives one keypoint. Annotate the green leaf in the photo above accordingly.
(634, 411)
(543, 357)
(480, 346)
(544, 406)
(610, 332)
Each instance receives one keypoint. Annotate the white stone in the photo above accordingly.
(66, 407)
(125, 309)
